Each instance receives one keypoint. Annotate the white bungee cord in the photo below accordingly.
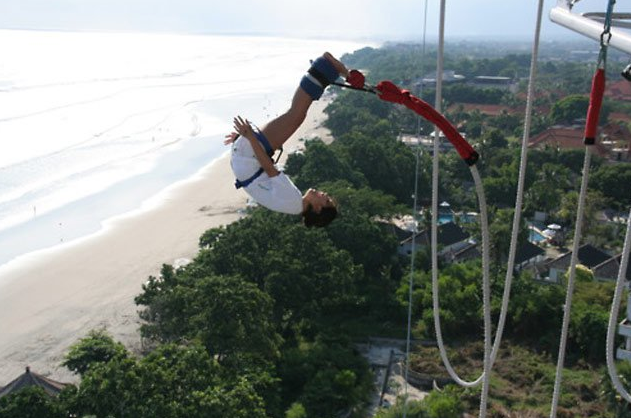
(490, 354)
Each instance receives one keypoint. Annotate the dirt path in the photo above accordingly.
(384, 354)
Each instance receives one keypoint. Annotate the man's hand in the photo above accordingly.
(230, 138)
(244, 128)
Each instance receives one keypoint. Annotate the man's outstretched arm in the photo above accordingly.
(244, 129)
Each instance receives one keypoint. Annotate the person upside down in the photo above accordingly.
(252, 149)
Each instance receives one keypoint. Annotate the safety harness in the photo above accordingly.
(270, 153)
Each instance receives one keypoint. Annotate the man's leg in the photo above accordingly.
(280, 129)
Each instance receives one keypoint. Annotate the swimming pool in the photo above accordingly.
(535, 236)
(444, 218)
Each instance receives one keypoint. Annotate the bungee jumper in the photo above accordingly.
(253, 148)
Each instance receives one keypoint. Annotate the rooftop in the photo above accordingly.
(565, 138)
(28, 379)
(448, 234)
(588, 255)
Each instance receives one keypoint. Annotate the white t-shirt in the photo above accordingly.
(276, 193)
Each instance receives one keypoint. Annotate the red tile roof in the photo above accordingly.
(619, 116)
(619, 90)
(486, 109)
(564, 138)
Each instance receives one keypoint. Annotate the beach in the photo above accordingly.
(51, 298)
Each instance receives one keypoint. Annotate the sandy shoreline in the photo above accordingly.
(50, 299)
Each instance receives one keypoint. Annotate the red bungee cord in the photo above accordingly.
(389, 92)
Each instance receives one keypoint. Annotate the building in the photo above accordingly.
(449, 76)
(619, 90)
(451, 239)
(614, 142)
(608, 270)
(29, 379)
(616, 138)
(469, 252)
(485, 109)
(588, 255)
(565, 138)
(494, 82)
(426, 142)
(528, 255)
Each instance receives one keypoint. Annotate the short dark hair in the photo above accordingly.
(327, 214)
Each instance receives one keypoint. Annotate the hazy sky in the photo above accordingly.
(344, 19)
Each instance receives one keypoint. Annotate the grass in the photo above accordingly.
(522, 381)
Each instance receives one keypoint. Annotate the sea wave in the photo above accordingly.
(83, 113)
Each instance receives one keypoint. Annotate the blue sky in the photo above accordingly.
(376, 20)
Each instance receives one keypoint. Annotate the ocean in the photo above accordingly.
(94, 124)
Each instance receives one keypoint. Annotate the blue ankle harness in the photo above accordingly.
(270, 153)
(321, 74)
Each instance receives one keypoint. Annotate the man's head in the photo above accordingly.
(319, 209)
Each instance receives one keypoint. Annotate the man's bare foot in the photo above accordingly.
(341, 68)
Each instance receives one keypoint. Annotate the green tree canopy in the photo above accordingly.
(31, 402)
(305, 275)
(608, 178)
(172, 381)
(231, 317)
(320, 163)
(574, 107)
(98, 347)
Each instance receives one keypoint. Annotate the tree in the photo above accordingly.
(98, 347)
(551, 182)
(232, 317)
(386, 164)
(500, 231)
(574, 107)
(371, 245)
(594, 201)
(415, 409)
(460, 296)
(581, 274)
(588, 331)
(324, 377)
(569, 108)
(305, 275)
(319, 164)
(534, 312)
(172, 381)
(500, 190)
(296, 411)
(30, 402)
(608, 178)
(444, 404)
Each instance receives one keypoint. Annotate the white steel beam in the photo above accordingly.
(563, 16)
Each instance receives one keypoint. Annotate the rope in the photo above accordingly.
(613, 316)
(485, 243)
(367, 88)
(598, 85)
(414, 212)
(520, 189)
(570, 283)
(606, 32)
(486, 290)
(490, 354)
